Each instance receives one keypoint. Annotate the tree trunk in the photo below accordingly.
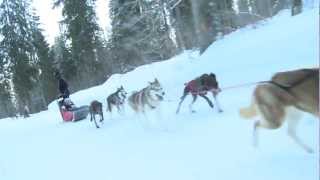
(296, 7)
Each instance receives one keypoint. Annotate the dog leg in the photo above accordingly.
(194, 98)
(182, 99)
(256, 133)
(122, 109)
(109, 108)
(101, 116)
(111, 114)
(292, 127)
(95, 122)
(207, 99)
(217, 102)
(256, 126)
(118, 109)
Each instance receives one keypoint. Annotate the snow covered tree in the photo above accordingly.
(45, 62)
(140, 32)
(243, 5)
(63, 57)
(83, 33)
(125, 25)
(6, 103)
(16, 24)
(184, 25)
(278, 5)
(199, 23)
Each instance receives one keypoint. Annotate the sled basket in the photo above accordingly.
(80, 113)
(74, 114)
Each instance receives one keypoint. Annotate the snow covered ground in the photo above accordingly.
(202, 146)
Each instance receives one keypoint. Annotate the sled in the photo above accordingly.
(74, 114)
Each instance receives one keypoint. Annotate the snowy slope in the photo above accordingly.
(202, 146)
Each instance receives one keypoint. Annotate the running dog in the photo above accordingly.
(117, 99)
(201, 86)
(96, 108)
(272, 101)
(149, 96)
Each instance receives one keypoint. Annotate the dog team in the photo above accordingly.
(272, 100)
(151, 96)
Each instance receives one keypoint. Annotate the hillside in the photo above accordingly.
(202, 146)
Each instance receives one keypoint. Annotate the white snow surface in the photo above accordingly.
(205, 145)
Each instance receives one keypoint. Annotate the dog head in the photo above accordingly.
(210, 83)
(122, 94)
(156, 89)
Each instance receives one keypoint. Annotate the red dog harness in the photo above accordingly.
(200, 90)
(194, 89)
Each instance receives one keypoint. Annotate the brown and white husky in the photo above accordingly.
(273, 101)
(150, 97)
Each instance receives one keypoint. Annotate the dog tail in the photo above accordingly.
(248, 112)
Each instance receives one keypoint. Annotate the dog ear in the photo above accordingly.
(156, 80)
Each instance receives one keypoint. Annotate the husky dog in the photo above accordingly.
(117, 99)
(96, 108)
(272, 101)
(149, 96)
(200, 86)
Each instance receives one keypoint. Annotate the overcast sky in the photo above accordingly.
(49, 18)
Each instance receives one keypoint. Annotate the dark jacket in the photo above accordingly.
(63, 88)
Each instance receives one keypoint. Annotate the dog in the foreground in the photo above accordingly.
(273, 101)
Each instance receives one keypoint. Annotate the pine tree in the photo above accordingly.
(204, 20)
(296, 7)
(16, 22)
(63, 58)
(278, 5)
(126, 23)
(243, 5)
(6, 102)
(83, 32)
(140, 32)
(184, 25)
(45, 62)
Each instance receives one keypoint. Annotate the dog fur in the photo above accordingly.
(201, 86)
(272, 102)
(116, 99)
(96, 108)
(150, 96)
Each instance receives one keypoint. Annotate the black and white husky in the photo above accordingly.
(150, 97)
(117, 99)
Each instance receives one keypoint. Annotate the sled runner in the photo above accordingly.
(69, 112)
